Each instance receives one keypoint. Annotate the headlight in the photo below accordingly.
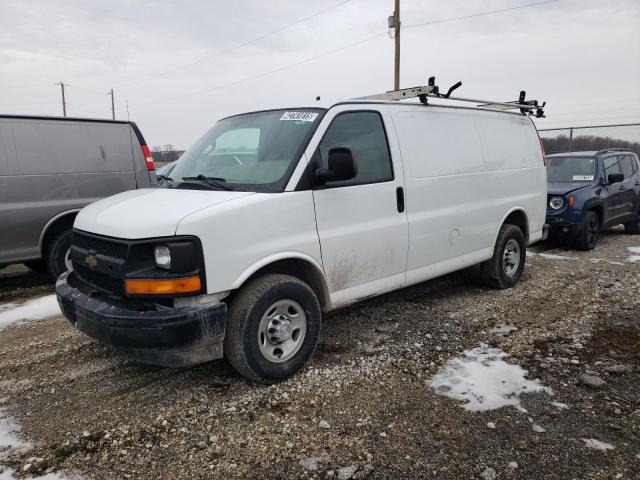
(162, 257)
(556, 203)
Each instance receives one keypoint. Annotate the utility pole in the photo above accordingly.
(394, 23)
(64, 103)
(113, 105)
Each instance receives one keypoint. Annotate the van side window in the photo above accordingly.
(364, 134)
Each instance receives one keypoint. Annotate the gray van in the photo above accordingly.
(52, 167)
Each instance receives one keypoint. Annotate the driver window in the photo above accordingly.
(611, 166)
(364, 134)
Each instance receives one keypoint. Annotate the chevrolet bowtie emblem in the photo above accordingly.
(91, 261)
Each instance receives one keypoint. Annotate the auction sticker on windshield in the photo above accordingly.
(583, 177)
(301, 116)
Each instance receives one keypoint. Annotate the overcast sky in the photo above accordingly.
(172, 60)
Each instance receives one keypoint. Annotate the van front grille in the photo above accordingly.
(104, 247)
(101, 281)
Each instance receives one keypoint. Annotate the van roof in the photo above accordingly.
(63, 119)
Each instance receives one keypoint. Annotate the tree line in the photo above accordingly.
(581, 143)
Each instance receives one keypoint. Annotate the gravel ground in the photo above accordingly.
(364, 407)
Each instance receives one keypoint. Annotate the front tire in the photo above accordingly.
(272, 328)
(589, 233)
(505, 268)
(57, 254)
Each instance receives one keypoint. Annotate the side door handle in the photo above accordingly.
(400, 199)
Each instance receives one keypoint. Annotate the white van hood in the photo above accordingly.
(146, 213)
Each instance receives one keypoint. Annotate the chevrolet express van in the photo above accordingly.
(52, 167)
(274, 217)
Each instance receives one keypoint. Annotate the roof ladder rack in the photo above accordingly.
(529, 107)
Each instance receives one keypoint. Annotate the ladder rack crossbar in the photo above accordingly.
(531, 107)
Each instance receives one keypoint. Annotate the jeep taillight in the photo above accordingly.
(148, 158)
(544, 157)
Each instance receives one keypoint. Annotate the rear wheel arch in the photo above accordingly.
(297, 267)
(518, 217)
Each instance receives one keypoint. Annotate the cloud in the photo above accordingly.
(569, 53)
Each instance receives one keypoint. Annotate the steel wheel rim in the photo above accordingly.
(282, 330)
(592, 231)
(511, 257)
(67, 260)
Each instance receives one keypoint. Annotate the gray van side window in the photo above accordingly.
(364, 134)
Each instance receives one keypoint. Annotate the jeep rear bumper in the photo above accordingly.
(171, 337)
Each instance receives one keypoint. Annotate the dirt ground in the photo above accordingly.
(364, 407)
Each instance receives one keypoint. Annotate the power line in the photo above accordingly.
(242, 45)
(331, 52)
(480, 14)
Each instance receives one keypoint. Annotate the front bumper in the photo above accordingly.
(559, 227)
(172, 337)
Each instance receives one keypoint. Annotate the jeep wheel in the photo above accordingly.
(587, 237)
(272, 328)
(58, 254)
(633, 227)
(509, 254)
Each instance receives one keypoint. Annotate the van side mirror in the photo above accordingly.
(342, 166)
(614, 178)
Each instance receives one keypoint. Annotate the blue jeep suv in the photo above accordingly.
(588, 192)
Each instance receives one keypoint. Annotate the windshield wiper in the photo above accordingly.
(215, 182)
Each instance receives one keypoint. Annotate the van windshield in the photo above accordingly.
(253, 152)
(571, 169)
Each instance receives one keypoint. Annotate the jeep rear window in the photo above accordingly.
(571, 169)
(253, 152)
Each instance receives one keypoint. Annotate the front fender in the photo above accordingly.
(254, 267)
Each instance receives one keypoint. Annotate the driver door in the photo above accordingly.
(362, 223)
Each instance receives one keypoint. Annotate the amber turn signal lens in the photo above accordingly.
(163, 286)
(571, 200)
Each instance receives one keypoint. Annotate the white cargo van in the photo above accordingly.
(273, 217)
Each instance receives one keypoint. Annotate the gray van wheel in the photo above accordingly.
(273, 328)
(505, 267)
(38, 266)
(57, 256)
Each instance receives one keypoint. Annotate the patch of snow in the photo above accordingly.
(10, 443)
(9, 435)
(484, 381)
(9, 475)
(634, 258)
(597, 444)
(560, 406)
(34, 309)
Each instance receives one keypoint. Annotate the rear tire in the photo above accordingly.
(633, 227)
(57, 254)
(589, 232)
(505, 268)
(261, 342)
